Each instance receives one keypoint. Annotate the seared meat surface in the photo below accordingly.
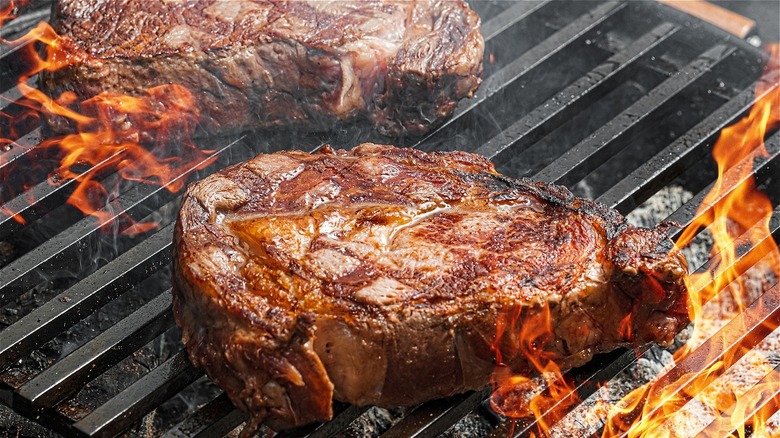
(378, 275)
(257, 63)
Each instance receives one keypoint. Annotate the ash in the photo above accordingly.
(473, 424)
(373, 422)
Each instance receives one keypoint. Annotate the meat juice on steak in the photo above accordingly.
(378, 275)
(260, 64)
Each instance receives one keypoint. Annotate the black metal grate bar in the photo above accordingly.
(20, 274)
(12, 95)
(20, 148)
(64, 310)
(22, 23)
(556, 43)
(69, 374)
(587, 384)
(547, 116)
(215, 419)
(755, 250)
(588, 154)
(669, 162)
(219, 416)
(510, 17)
(338, 424)
(13, 69)
(742, 333)
(130, 405)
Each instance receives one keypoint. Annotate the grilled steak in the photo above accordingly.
(250, 63)
(378, 275)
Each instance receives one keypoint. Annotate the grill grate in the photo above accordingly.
(614, 99)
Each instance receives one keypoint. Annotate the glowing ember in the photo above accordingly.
(690, 399)
(143, 138)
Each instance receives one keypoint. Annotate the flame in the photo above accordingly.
(9, 11)
(143, 138)
(524, 333)
(737, 216)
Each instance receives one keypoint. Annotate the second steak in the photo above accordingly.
(252, 63)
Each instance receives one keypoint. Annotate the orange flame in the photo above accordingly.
(9, 11)
(744, 206)
(524, 333)
(736, 214)
(143, 138)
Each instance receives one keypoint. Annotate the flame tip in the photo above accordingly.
(145, 138)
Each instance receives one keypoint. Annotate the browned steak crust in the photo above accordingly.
(378, 275)
(402, 64)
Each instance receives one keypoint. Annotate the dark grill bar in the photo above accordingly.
(679, 155)
(584, 157)
(762, 170)
(48, 197)
(216, 418)
(544, 118)
(494, 85)
(69, 374)
(134, 402)
(85, 297)
(741, 333)
(433, 418)
(58, 252)
(21, 148)
(570, 89)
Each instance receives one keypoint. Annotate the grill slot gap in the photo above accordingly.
(216, 418)
(680, 154)
(585, 156)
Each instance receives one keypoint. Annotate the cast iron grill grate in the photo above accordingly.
(614, 99)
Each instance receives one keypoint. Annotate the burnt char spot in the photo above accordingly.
(560, 196)
(491, 182)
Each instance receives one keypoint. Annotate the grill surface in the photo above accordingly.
(614, 99)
